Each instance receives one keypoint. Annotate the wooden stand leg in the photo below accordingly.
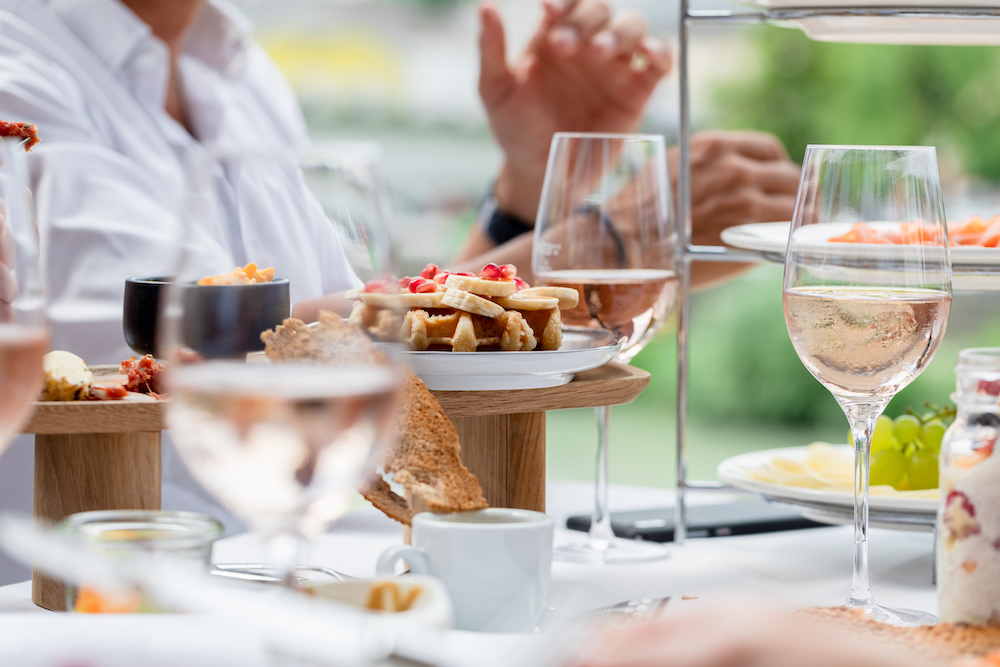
(507, 454)
(80, 473)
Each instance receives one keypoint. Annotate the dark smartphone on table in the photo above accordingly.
(739, 518)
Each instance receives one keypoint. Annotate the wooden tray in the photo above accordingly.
(100, 455)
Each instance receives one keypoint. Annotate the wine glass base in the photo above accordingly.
(610, 552)
(904, 618)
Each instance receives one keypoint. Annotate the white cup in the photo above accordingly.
(495, 564)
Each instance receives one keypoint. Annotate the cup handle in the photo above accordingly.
(414, 557)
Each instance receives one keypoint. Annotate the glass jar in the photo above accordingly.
(968, 550)
(183, 538)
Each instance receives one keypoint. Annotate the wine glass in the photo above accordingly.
(281, 442)
(24, 331)
(866, 319)
(606, 228)
(346, 179)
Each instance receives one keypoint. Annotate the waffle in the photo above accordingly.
(463, 313)
(466, 332)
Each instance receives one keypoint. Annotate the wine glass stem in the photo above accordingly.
(862, 417)
(601, 534)
(283, 549)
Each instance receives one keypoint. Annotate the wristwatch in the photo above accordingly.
(499, 226)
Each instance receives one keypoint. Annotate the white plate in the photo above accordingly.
(582, 350)
(772, 237)
(901, 29)
(874, 4)
(824, 506)
(939, 30)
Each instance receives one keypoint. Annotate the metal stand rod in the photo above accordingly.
(683, 271)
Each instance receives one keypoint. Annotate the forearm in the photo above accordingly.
(705, 275)
(308, 310)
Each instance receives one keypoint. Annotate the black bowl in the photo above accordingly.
(220, 321)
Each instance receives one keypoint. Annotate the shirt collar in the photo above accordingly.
(219, 37)
(107, 27)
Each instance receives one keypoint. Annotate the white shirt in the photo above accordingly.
(93, 78)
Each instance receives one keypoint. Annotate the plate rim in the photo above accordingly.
(745, 237)
(729, 468)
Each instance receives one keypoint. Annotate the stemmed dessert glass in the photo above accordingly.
(866, 319)
(606, 228)
(24, 332)
(280, 440)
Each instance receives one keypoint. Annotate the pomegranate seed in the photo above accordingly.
(508, 271)
(490, 272)
(519, 284)
(430, 271)
(416, 283)
(441, 277)
(427, 287)
(377, 286)
(464, 273)
(404, 283)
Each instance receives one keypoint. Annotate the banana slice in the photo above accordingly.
(470, 303)
(403, 300)
(568, 297)
(353, 294)
(518, 302)
(475, 285)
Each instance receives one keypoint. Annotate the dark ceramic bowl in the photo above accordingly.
(220, 321)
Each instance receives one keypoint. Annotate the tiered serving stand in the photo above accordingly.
(892, 22)
(102, 455)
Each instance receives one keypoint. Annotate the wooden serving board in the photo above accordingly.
(611, 384)
(93, 455)
(102, 455)
(136, 413)
(502, 433)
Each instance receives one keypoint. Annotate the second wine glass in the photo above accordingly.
(867, 318)
(606, 228)
(24, 327)
(281, 441)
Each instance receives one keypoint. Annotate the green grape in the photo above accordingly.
(883, 438)
(888, 466)
(923, 470)
(931, 435)
(906, 429)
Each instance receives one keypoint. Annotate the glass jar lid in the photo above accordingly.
(978, 376)
(157, 530)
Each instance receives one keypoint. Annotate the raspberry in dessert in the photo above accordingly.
(969, 516)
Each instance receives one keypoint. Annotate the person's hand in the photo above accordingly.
(583, 71)
(739, 637)
(737, 178)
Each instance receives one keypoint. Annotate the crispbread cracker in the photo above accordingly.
(424, 458)
(330, 341)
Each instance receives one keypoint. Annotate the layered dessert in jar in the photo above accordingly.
(968, 570)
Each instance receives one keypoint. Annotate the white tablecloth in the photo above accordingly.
(797, 568)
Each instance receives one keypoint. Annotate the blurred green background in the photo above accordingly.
(403, 73)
